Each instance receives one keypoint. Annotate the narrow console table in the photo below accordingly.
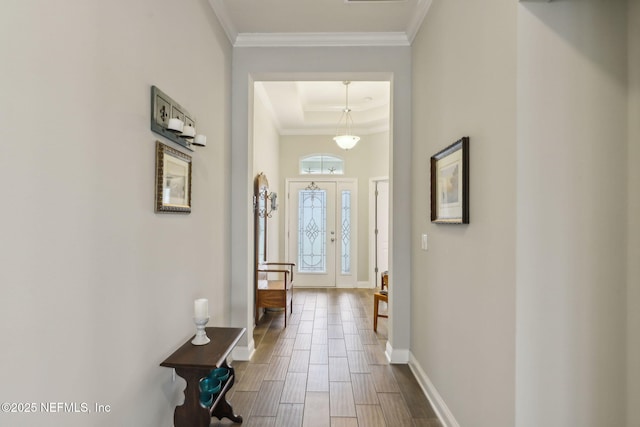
(193, 362)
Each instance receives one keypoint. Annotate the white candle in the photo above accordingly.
(201, 308)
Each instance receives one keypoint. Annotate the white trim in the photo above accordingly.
(359, 285)
(320, 39)
(277, 64)
(261, 93)
(373, 276)
(398, 356)
(371, 232)
(244, 353)
(332, 131)
(422, 8)
(390, 38)
(225, 20)
(437, 403)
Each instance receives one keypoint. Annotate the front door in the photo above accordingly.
(320, 232)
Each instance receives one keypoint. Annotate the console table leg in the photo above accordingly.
(191, 413)
(224, 409)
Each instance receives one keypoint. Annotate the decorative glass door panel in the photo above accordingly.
(345, 218)
(312, 231)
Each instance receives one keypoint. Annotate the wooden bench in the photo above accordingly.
(274, 287)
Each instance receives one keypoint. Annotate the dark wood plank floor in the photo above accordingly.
(327, 368)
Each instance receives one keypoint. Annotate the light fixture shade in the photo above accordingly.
(346, 142)
(188, 131)
(175, 125)
(200, 140)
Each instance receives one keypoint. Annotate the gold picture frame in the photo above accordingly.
(173, 180)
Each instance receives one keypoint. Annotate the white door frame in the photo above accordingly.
(385, 63)
(342, 280)
(373, 275)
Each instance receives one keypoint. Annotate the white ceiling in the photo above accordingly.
(312, 108)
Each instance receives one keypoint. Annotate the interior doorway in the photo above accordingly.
(389, 64)
(293, 127)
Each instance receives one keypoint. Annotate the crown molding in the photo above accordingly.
(259, 91)
(331, 131)
(320, 39)
(225, 20)
(422, 8)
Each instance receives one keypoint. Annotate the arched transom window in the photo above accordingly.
(321, 164)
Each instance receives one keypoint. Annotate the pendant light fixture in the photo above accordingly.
(344, 138)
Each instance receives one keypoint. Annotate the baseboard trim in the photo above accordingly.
(244, 353)
(397, 356)
(357, 285)
(442, 411)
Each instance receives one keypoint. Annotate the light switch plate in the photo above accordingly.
(425, 243)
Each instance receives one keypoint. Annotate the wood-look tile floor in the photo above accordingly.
(326, 368)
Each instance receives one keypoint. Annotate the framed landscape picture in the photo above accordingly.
(450, 184)
(173, 180)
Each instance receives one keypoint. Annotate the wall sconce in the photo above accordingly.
(266, 211)
(174, 122)
(273, 197)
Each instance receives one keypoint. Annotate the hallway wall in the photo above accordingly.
(266, 159)
(96, 289)
(463, 292)
(633, 233)
(572, 220)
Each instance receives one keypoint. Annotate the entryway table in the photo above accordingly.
(193, 362)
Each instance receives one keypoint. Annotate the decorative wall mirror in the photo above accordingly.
(260, 198)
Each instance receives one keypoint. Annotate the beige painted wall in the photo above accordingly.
(266, 156)
(370, 158)
(463, 287)
(97, 289)
(633, 266)
(572, 221)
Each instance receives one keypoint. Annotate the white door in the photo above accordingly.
(382, 227)
(320, 232)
